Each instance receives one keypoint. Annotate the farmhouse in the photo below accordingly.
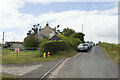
(48, 32)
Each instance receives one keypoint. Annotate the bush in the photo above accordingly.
(67, 32)
(78, 36)
(31, 42)
(73, 41)
(54, 46)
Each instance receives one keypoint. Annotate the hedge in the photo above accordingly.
(31, 42)
(54, 46)
(74, 41)
(78, 36)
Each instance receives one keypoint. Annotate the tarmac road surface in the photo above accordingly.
(91, 64)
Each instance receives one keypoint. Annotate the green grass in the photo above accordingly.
(111, 50)
(8, 77)
(31, 56)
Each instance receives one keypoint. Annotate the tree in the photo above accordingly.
(34, 30)
(79, 36)
(29, 33)
(67, 32)
(31, 42)
(99, 42)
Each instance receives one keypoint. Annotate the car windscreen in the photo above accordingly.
(83, 45)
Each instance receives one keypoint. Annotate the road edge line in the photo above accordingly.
(52, 69)
(57, 70)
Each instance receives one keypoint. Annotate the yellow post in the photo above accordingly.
(44, 55)
(48, 54)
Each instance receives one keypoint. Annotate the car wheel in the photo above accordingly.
(87, 50)
(77, 50)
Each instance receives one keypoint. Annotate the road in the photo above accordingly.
(92, 64)
(39, 72)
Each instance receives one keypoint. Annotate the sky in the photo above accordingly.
(99, 18)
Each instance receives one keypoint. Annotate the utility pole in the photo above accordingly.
(3, 39)
(82, 28)
(39, 28)
(14, 39)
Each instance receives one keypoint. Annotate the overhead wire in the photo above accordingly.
(85, 18)
(87, 12)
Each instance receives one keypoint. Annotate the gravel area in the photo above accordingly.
(19, 70)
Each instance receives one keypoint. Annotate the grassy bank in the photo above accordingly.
(111, 50)
(10, 57)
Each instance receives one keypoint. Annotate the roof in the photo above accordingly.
(55, 37)
(47, 30)
(40, 36)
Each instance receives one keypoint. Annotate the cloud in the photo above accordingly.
(114, 10)
(101, 25)
(9, 36)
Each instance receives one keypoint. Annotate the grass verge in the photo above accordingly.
(111, 50)
(10, 57)
(8, 77)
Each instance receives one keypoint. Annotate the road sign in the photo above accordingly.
(17, 50)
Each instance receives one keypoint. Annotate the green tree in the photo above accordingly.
(67, 32)
(31, 42)
(99, 42)
(44, 39)
(34, 30)
(79, 36)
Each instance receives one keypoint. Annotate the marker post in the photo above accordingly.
(48, 54)
(44, 55)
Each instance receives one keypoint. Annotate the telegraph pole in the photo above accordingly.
(3, 39)
(14, 39)
(82, 28)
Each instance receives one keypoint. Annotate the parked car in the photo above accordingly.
(96, 44)
(92, 44)
(89, 46)
(83, 47)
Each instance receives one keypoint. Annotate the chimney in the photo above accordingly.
(47, 24)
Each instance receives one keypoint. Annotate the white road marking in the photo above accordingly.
(57, 70)
(51, 69)
(77, 54)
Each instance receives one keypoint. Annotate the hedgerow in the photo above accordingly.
(73, 41)
(54, 46)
